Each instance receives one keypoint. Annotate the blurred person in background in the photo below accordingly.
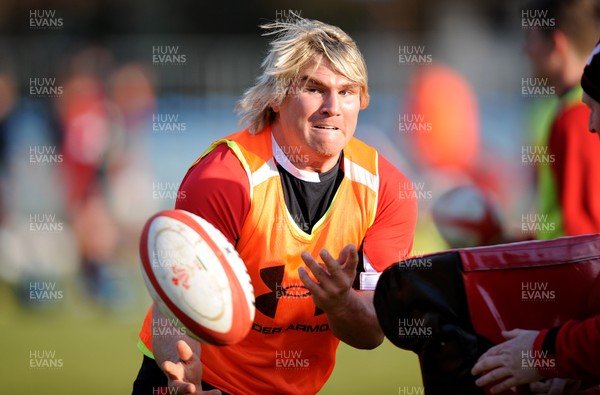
(132, 97)
(447, 147)
(568, 184)
(573, 347)
(445, 133)
(101, 113)
(87, 145)
(8, 98)
(36, 245)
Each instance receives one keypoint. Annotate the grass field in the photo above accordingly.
(93, 351)
(97, 348)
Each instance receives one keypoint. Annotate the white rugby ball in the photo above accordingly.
(196, 277)
(466, 217)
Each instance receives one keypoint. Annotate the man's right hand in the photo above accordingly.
(186, 374)
(179, 358)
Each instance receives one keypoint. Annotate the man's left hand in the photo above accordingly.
(333, 290)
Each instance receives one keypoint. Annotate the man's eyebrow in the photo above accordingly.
(310, 80)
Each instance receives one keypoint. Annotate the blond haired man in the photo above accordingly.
(292, 191)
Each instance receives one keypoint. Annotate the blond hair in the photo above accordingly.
(295, 45)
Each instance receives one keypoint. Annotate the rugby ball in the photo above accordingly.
(196, 277)
(466, 217)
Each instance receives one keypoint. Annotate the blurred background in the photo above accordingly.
(105, 104)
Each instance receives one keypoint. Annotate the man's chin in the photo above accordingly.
(327, 152)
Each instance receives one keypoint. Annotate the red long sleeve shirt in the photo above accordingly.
(575, 348)
(576, 169)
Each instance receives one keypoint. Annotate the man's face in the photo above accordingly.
(594, 106)
(539, 49)
(319, 113)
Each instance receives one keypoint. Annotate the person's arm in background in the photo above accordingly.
(350, 312)
(576, 169)
(217, 190)
(575, 347)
